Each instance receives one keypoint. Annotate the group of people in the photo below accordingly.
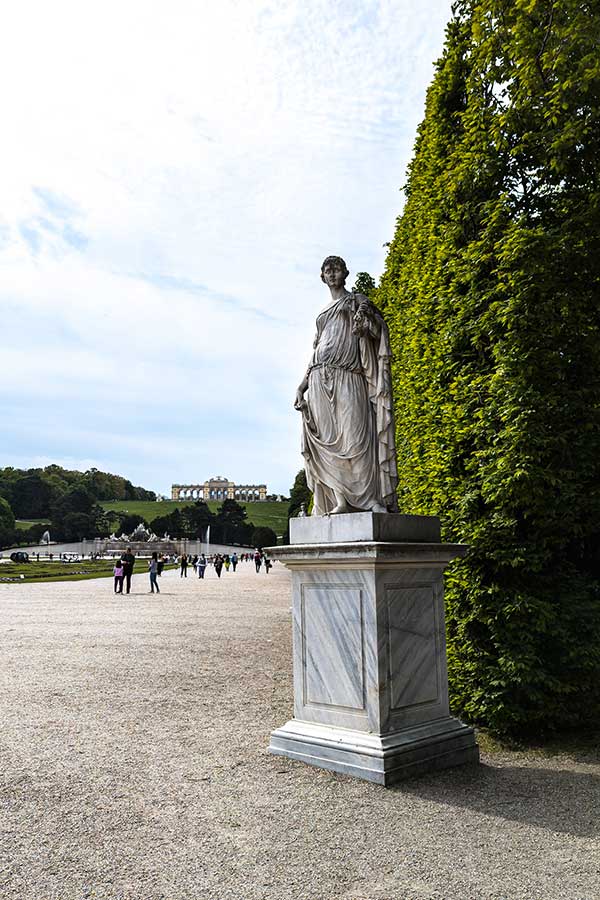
(199, 563)
(123, 568)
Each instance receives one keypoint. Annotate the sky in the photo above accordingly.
(172, 176)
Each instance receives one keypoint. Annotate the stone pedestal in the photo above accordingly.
(370, 675)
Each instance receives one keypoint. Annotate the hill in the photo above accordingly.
(271, 514)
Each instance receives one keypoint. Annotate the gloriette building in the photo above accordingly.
(219, 488)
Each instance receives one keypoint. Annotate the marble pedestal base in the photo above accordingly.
(370, 676)
(384, 759)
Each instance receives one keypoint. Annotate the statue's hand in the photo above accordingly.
(300, 403)
(358, 322)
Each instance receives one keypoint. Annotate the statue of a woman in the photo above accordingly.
(346, 403)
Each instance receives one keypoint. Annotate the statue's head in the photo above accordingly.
(335, 262)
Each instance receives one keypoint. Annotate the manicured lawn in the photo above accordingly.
(44, 570)
(269, 513)
(24, 524)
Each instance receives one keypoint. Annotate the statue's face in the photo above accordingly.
(333, 275)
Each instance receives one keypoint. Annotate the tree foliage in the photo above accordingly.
(231, 512)
(263, 536)
(228, 525)
(128, 522)
(364, 284)
(491, 291)
(7, 523)
(76, 515)
(299, 494)
(33, 492)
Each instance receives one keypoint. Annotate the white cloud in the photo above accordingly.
(177, 172)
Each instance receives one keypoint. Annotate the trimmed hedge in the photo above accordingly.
(492, 294)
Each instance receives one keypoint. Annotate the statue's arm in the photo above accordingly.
(300, 402)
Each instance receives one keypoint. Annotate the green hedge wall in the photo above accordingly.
(492, 294)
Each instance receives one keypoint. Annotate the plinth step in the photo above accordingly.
(383, 759)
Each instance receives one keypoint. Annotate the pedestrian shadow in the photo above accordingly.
(557, 800)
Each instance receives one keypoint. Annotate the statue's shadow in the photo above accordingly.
(556, 799)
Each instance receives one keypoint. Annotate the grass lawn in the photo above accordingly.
(44, 570)
(24, 524)
(268, 512)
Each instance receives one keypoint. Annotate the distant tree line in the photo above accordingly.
(68, 500)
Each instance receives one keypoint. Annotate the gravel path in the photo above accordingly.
(133, 766)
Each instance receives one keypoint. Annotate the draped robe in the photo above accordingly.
(348, 425)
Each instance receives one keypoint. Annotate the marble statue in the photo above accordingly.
(345, 399)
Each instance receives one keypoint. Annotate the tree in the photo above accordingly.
(75, 515)
(6, 484)
(231, 512)
(162, 525)
(262, 536)
(299, 494)
(189, 522)
(77, 525)
(32, 497)
(130, 522)
(231, 525)
(176, 523)
(364, 284)
(197, 518)
(491, 293)
(34, 534)
(7, 524)
(173, 524)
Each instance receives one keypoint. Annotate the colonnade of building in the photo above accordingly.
(219, 489)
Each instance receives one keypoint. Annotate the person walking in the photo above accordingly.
(268, 564)
(258, 561)
(183, 566)
(128, 560)
(153, 569)
(118, 573)
(201, 566)
(227, 562)
(234, 560)
(218, 564)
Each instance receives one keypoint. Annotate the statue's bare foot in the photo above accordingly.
(377, 507)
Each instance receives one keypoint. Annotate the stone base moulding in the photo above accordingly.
(383, 759)
(370, 673)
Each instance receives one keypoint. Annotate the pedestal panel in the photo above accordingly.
(412, 646)
(332, 638)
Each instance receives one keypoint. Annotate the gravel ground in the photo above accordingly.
(134, 767)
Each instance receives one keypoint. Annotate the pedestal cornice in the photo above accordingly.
(358, 554)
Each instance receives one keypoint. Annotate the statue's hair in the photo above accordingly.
(335, 259)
